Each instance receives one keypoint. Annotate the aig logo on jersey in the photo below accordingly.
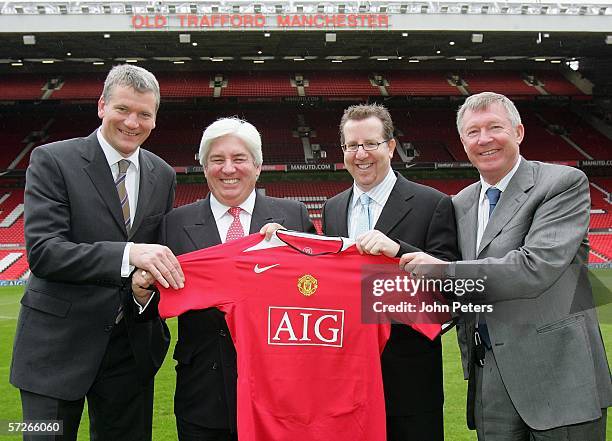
(293, 326)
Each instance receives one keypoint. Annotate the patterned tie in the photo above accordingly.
(235, 230)
(125, 208)
(363, 217)
(493, 195)
(122, 191)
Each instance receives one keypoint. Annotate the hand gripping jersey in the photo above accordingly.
(308, 369)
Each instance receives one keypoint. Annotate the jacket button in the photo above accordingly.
(108, 328)
(222, 333)
(215, 366)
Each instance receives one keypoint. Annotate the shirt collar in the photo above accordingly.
(218, 209)
(379, 193)
(112, 155)
(502, 184)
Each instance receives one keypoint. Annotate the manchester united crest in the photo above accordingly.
(307, 285)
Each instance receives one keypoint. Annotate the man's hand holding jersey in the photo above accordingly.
(159, 261)
(143, 280)
(376, 243)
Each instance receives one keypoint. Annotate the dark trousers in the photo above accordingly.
(120, 401)
(192, 432)
(425, 426)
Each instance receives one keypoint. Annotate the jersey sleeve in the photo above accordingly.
(210, 279)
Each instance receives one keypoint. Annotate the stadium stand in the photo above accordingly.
(17, 265)
(579, 131)
(541, 143)
(188, 193)
(186, 85)
(78, 87)
(509, 83)
(601, 220)
(410, 83)
(594, 258)
(339, 84)
(22, 87)
(11, 218)
(601, 245)
(556, 84)
(433, 140)
(68, 86)
(291, 125)
(599, 198)
(259, 84)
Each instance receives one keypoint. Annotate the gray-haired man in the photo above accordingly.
(536, 363)
(91, 206)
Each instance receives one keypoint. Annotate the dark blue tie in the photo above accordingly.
(493, 195)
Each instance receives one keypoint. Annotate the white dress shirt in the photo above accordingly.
(378, 195)
(132, 186)
(483, 202)
(223, 219)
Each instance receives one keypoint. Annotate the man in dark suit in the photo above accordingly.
(91, 204)
(535, 361)
(230, 152)
(387, 214)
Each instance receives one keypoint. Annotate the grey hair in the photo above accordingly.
(483, 101)
(141, 80)
(364, 111)
(236, 127)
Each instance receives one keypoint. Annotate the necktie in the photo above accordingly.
(363, 221)
(122, 191)
(125, 208)
(493, 195)
(235, 230)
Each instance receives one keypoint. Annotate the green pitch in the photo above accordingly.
(163, 419)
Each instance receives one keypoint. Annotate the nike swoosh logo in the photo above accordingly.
(259, 270)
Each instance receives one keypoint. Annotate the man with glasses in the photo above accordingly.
(387, 214)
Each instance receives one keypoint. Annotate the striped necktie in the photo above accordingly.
(122, 191)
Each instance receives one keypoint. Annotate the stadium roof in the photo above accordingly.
(384, 35)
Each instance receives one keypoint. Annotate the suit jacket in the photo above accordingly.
(206, 370)
(543, 326)
(420, 218)
(75, 239)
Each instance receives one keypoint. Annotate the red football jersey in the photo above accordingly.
(308, 368)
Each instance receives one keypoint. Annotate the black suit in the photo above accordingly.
(75, 239)
(206, 370)
(420, 218)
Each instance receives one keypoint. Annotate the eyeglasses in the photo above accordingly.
(367, 146)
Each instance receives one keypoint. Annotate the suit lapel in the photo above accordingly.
(263, 213)
(204, 232)
(468, 224)
(145, 191)
(397, 206)
(338, 225)
(100, 174)
(510, 201)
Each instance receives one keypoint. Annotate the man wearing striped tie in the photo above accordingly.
(92, 206)
(388, 214)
